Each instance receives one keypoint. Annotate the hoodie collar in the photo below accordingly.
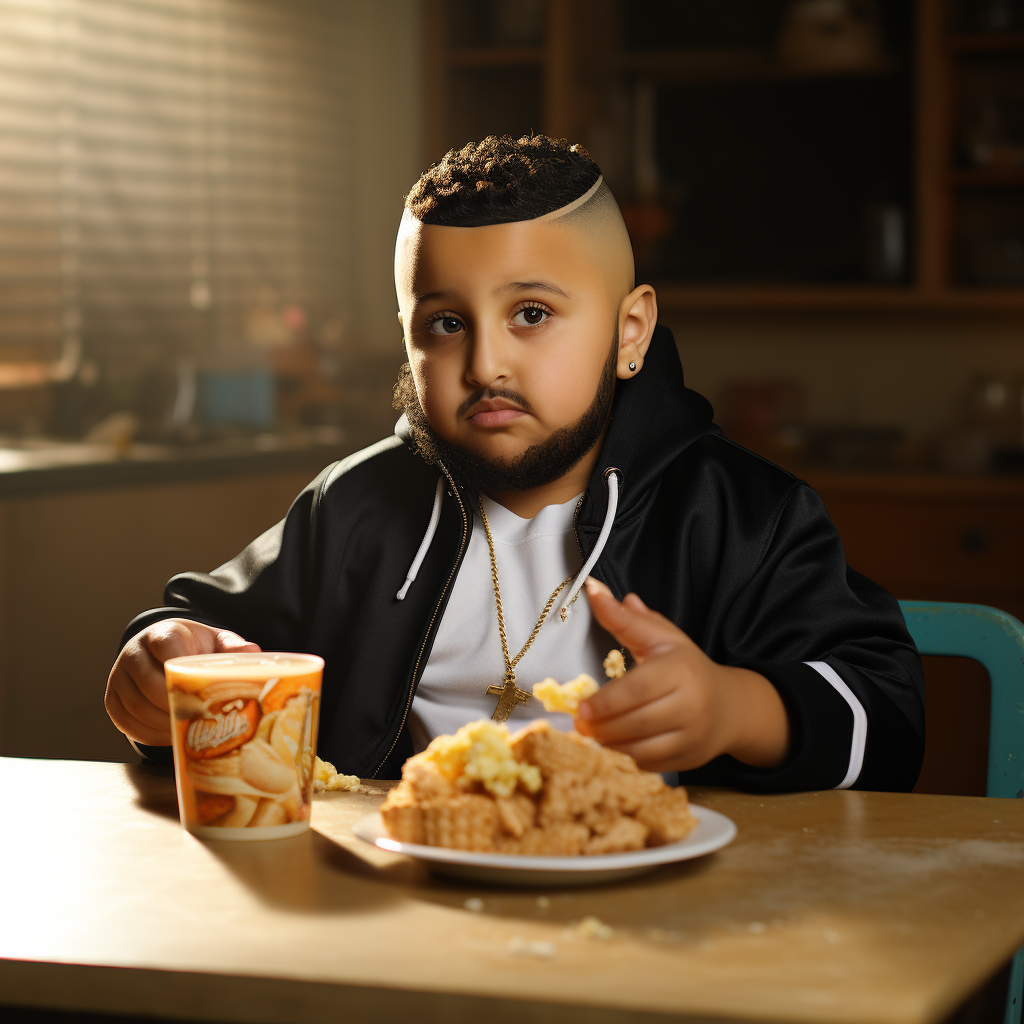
(654, 418)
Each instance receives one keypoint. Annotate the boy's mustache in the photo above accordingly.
(481, 393)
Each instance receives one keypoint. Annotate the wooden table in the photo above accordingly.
(831, 907)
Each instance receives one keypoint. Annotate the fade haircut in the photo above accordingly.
(500, 180)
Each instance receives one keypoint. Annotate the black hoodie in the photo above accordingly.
(736, 551)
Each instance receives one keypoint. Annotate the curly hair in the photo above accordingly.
(500, 180)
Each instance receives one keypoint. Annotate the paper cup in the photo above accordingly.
(243, 727)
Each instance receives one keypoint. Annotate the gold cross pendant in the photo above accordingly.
(509, 697)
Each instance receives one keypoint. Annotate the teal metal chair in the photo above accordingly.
(995, 639)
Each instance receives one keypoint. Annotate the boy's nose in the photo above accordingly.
(488, 354)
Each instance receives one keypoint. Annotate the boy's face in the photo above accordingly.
(508, 329)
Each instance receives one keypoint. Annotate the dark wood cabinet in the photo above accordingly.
(771, 178)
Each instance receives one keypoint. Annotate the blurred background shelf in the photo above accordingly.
(828, 149)
(684, 296)
(987, 177)
(495, 56)
(986, 42)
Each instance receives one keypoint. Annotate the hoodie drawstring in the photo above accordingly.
(428, 537)
(611, 481)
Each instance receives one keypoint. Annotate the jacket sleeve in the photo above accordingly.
(836, 647)
(263, 594)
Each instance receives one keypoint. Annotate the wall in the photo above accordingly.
(905, 369)
(386, 64)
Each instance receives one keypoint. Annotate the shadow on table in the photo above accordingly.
(308, 873)
(154, 788)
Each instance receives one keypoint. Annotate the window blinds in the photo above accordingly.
(166, 168)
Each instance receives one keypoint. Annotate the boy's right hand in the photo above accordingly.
(136, 695)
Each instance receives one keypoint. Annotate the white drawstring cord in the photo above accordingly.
(435, 517)
(611, 479)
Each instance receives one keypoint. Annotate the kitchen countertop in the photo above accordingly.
(34, 467)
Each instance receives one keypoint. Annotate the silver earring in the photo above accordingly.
(632, 367)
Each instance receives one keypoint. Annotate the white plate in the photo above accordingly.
(713, 831)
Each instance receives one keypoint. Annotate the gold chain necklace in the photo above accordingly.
(509, 695)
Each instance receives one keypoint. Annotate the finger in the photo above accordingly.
(646, 633)
(178, 638)
(144, 671)
(639, 686)
(135, 701)
(640, 722)
(132, 727)
(665, 752)
(225, 641)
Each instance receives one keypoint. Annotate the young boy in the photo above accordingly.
(548, 442)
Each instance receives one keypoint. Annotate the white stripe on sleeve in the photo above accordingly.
(860, 721)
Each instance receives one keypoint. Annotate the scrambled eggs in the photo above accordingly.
(481, 751)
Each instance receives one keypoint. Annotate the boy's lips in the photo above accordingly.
(493, 412)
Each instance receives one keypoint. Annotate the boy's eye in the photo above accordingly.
(530, 316)
(445, 325)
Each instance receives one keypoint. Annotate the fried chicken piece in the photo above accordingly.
(668, 816)
(591, 800)
(553, 751)
(516, 813)
(466, 822)
(601, 818)
(616, 761)
(626, 792)
(626, 834)
(565, 839)
(426, 779)
(567, 795)
(403, 815)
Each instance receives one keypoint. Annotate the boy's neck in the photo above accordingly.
(526, 504)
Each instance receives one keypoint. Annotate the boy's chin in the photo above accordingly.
(525, 468)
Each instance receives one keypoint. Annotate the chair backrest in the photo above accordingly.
(995, 639)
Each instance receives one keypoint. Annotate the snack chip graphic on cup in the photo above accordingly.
(244, 741)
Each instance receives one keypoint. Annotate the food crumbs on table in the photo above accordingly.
(520, 947)
(475, 904)
(831, 935)
(756, 927)
(593, 928)
(327, 779)
(662, 935)
(543, 902)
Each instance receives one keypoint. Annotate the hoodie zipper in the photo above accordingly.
(433, 618)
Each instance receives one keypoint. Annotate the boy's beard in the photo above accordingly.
(540, 464)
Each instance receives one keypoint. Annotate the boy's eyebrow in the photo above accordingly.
(529, 286)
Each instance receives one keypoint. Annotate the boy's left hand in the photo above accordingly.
(678, 709)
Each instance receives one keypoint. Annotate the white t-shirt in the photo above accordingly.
(533, 556)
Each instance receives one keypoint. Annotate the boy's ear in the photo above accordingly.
(638, 316)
